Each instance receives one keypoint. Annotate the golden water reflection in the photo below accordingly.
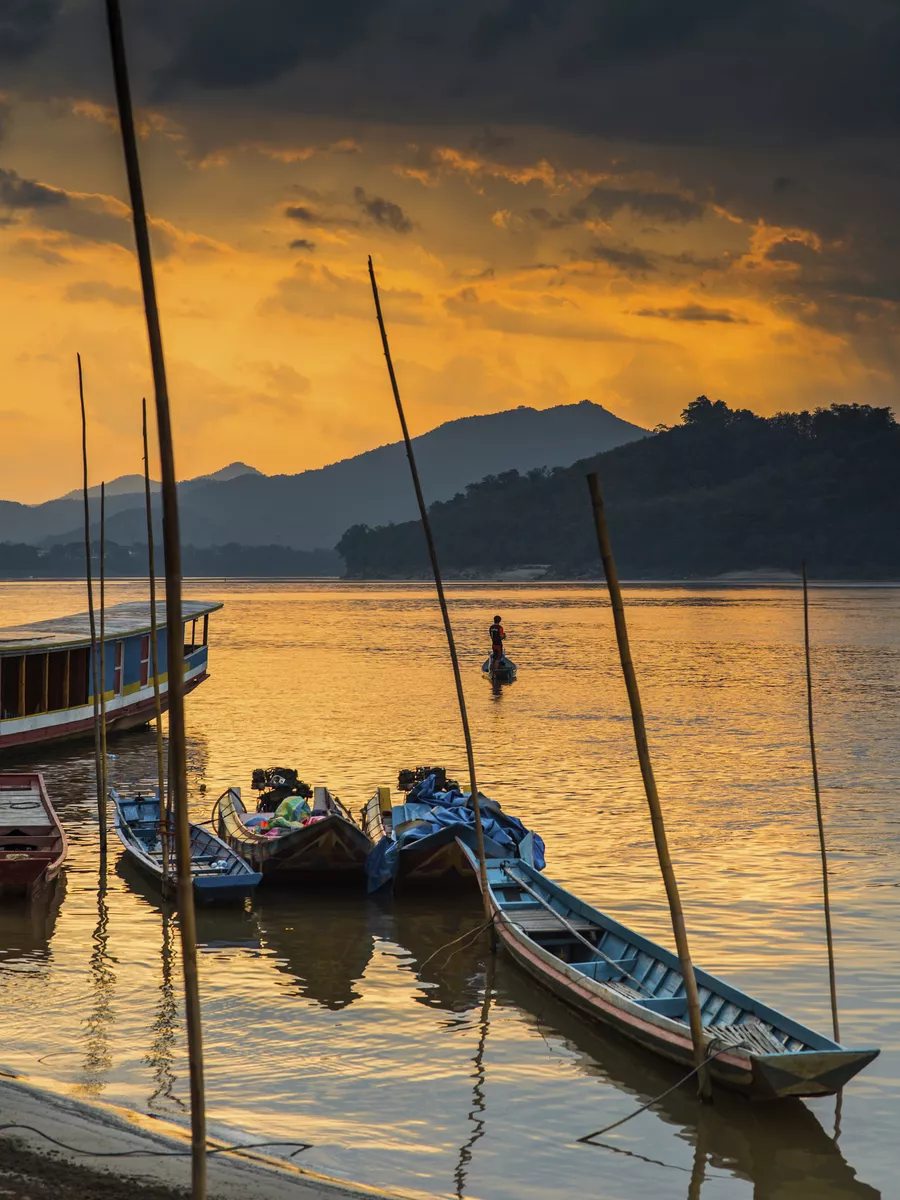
(332, 1018)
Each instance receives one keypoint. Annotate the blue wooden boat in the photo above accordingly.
(219, 874)
(630, 984)
(502, 672)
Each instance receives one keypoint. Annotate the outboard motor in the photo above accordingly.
(276, 784)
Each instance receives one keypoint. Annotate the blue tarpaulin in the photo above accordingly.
(440, 811)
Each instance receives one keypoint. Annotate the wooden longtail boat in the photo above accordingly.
(33, 845)
(627, 982)
(502, 672)
(219, 874)
(332, 849)
(47, 680)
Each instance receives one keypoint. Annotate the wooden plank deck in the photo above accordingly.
(541, 921)
(22, 806)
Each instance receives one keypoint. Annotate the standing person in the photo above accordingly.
(498, 634)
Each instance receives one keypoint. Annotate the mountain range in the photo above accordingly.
(724, 491)
(313, 508)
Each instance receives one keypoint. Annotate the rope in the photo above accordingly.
(186, 1153)
(588, 1138)
(470, 934)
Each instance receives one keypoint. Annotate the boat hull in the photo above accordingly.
(808, 1072)
(330, 851)
(437, 861)
(33, 845)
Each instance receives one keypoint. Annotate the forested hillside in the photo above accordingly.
(725, 490)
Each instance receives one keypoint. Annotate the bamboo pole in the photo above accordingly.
(154, 652)
(438, 583)
(95, 661)
(832, 981)
(103, 753)
(656, 814)
(175, 658)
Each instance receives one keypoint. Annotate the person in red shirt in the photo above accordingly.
(498, 634)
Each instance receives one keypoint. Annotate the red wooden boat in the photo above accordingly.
(33, 845)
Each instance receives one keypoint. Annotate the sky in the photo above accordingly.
(629, 201)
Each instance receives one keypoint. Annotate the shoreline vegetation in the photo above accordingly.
(725, 492)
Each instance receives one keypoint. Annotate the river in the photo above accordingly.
(458, 1077)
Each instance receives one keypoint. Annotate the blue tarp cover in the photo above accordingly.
(442, 810)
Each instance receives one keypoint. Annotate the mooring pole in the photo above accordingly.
(832, 979)
(95, 660)
(656, 815)
(104, 759)
(438, 583)
(174, 628)
(154, 661)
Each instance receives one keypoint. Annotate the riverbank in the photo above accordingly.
(116, 1154)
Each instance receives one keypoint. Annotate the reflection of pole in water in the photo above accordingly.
(164, 1028)
(97, 1059)
(698, 1173)
(476, 1113)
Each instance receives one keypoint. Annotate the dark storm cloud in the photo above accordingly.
(383, 212)
(16, 192)
(302, 244)
(693, 312)
(24, 24)
(615, 256)
(660, 206)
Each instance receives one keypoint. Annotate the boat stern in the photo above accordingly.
(808, 1072)
(225, 889)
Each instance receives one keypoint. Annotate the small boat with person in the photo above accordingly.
(618, 978)
(500, 670)
(219, 875)
(421, 842)
(33, 844)
(297, 835)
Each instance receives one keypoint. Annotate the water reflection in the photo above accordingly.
(782, 1149)
(478, 1111)
(323, 942)
(443, 939)
(99, 1022)
(26, 926)
(164, 1031)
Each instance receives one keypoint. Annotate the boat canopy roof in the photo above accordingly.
(121, 620)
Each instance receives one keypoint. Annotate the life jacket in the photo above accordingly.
(497, 634)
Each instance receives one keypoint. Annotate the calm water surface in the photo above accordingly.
(324, 1019)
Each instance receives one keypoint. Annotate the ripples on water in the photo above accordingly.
(459, 1077)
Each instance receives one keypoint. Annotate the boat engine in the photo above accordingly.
(409, 777)
(276, 784)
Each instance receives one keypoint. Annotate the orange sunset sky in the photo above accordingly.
(525, 256)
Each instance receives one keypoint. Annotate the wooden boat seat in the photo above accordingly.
(602, 971)
(539, 920)
(752, 1035)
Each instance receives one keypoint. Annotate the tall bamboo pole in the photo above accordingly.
(174, 631)
(656, 815)
(151, 562)
(103, 754)
(438, 583)
(832, 981)
(95, 661)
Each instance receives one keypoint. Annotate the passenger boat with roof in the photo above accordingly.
(618, 978)
(217, 872)
(33, 844)
(47, 680)
(297, 835)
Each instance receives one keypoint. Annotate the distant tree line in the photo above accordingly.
(19, 561)
(725, 490)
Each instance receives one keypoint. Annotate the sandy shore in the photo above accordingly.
(33, 1168)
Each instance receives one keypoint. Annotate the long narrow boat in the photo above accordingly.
(503, 671)
(627, 982)
(219, 874)
(47, 681)
(33, 844)
(421, 842)
(331, 848)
